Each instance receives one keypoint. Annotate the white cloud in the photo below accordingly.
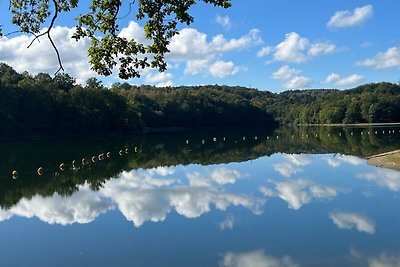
(160, 79)
(192, 47)
(383, 60)
(297, 49)
(285, 73)
(291, 49)
(265, 51)
(318, 49)
(389, 179)
(347, 18)
(332, 77)
(290, 78)
(222, 69)
(224, 21)
(40, 57)
(350, 220)
(297, 82)
(134, 31)
(343, 81)
(256, 258)
(299, 192)
(228, 223)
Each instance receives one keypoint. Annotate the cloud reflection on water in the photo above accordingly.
(299, 192)
(140, 196)
(257, 258)
(386, 178)
(350, 220)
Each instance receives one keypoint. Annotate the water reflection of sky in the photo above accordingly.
(283, 210)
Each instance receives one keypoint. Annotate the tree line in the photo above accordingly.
(36, 104)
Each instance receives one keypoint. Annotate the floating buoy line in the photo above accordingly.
(77, 164)
(74, 165)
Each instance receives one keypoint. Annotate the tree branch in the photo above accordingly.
(130, 10)
(47, 32)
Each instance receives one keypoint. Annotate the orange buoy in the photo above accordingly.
(62, 167)
(40, 171)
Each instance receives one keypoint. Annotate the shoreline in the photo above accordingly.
(390, 160)
(352, 124)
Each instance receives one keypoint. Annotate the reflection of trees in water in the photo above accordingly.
(167, 150)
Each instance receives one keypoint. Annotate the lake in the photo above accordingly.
(282, 197)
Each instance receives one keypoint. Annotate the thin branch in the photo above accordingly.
(47, 32)
(130, 9)
(14, 32)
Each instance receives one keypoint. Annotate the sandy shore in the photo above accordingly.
(390, 160)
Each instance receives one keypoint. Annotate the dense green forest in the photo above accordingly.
(44, 104)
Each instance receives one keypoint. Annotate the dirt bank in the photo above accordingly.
(390, 160)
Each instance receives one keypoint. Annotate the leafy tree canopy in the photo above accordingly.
(101, 24)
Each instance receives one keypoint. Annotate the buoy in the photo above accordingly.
(369, 133)
(108, 154)
(40, 171)
(83, 161)
(120, 152)
(268, 137)
(316, 135)
(62, 166)
(340, 134)
(203, 142)
(329, 135)
(136, 149)
(277, 137)
(126, 151)
(94, 159)
(376, 132)
(14, 174)
(215, 139)
(255, 137)
(292, 136)
(362, 133)
(101, 156)
(224, 138)
(187, 142)
(383, 132)
(244, 138)
(351, 133)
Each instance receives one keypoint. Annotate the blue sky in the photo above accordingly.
(270, 45)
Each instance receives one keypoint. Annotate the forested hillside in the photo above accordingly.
(44, 104)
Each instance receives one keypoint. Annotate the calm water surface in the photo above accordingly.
(288, 197)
